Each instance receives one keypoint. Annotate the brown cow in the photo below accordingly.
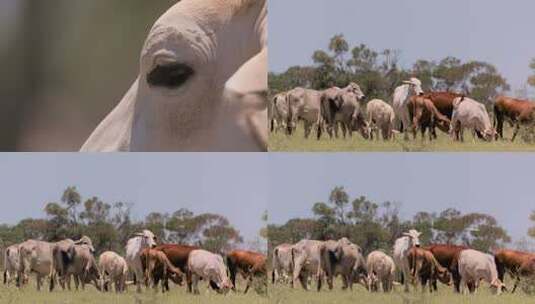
(517, 111)
(425, 116)
(511, 261)
(157, 267)
(178, 256)
(447, 255)
(425, 267)
(250, 264)
(443, 101)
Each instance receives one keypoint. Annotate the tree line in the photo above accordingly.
(110, 225)
(373, 225)
(378, 73)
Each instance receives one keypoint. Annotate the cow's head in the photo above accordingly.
(85, 240)
(415, 85)
(497, 286)
(355, 89)
(414, 237)
(148, 239)
(444, 276)
(490, 134)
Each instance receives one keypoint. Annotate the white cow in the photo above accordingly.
(282, 263)
(114, 270)
(134, 246)
(36, 256)
(381, 269)
(279, 112)
(401, 252)
(380, 118)
(475, 266)
(305, 104)
(202, 83)
(468, 113)
(11, 263)
(210, 267)
(402, 94)
(307, 261)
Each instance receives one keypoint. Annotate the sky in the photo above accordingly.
(496, 31)
(500, 185)
(233, 185)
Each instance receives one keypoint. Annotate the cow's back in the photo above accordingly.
(177, 254)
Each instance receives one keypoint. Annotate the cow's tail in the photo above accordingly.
(275, 264)
(500, 267)
(6, 255)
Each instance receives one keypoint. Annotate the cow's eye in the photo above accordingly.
(171, 75)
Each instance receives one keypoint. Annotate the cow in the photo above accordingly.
(447, 255)
(443, 101)
(281, 260)
(400, 102)
(12, 264)
(381, 270)
(341, 105)
(134, 247)
(425, 116)
(64, 253)
(114, 270)
(511, 261)
(36, 256)
(427, 269)
(279, 112)
(189, 64)
(343, 258)
(468, 113)
(527, 270)
(516, 111)
(157, 267)
(250, 264)
(304, 104)
(83, 267)
(203, 264)
(307, 261)
(351, 116)
(402, 247)
(475, 266)
(380, 118)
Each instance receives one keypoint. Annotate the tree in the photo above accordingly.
(71, 198)
(531, 79)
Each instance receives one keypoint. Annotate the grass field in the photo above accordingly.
(280, 142)
(285, 295)
(29, 295)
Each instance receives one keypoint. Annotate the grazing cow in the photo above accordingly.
(157, 267)
(425, 116)
(343, 258)
(36, 256)
(83, 268)
(350, 116)
(341, 105)
(250, 264)
(517, 111)
(511, 261)
(12, 264)
(134, 247)
(304, 104)
(380, 117)
(426, 268)
(282, 266)
(64, 253)
(197, 53)
(205, 265)
(279, 112)
(475, 266)
(402, 247)
(307, 261)
(401, 101)
(114, 270)
(468, 113)
(447, 255)
(381, 270)
(443, 101)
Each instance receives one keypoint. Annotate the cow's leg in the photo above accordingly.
(195, 282)
(249, 283)
(307, 129)
(189, 281)
(320, 282)
(297, 274)
(515, 131)
(517, 281)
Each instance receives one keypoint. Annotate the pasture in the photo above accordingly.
(280, 142)
(29, 294)
(283, 294)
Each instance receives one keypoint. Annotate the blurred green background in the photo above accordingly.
(65, 64)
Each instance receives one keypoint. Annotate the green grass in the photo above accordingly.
(280, 142)
(29, 294)
(285, 295)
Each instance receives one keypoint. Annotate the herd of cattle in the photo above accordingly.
(460, 266)
(412, 110)
(145, 261)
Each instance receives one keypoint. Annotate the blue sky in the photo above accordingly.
(496, 31)
(497, 184)
(230, 184)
